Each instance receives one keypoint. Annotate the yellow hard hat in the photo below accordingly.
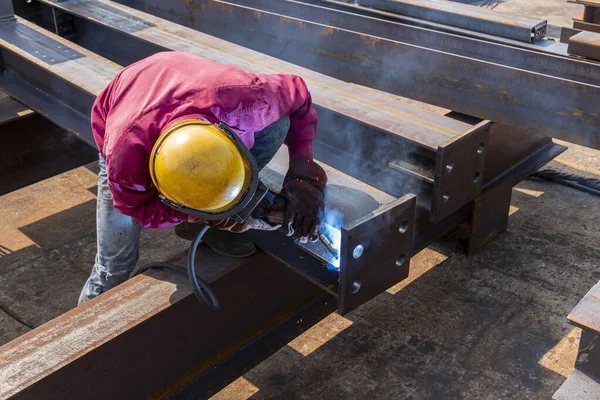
(202, 167)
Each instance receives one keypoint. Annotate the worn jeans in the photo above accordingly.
(118, 235)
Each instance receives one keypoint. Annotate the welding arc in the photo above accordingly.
(199, 285)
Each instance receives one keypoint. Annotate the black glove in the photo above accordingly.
(302, 199)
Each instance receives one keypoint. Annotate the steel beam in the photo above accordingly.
(558, 106)
(49, 75)
(6, 9)
(149, 337)
(467, 17)
(585, 44)
(548, 57)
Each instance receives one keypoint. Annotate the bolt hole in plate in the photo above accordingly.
(400, 261)
(358, 251)
(480, 149)
(369, 249)
(403, 227)
(476, 177)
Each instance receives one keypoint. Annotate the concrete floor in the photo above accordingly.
(488, 327)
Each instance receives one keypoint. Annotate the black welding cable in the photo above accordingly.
(16, 316)
(198, 284)
(588, 185)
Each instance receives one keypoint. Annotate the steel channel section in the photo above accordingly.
(582, 26)
(466, 16)
(558, 107)
(586, 44)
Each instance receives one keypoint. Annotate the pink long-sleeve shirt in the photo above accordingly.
(145, 98)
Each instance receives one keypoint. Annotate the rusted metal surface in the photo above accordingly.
(559, 107)
(586, 44)
(375, 251)
(466, 16)
(51, 75)
(39, 353)
(586, 314)
(11, 110)
(489, 216)
(591, 13)
(149, 337)
(459, 171)
(375, 109)
(584, 26)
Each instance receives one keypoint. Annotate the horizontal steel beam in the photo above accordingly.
(585, 44)
(377, 110)
(50, 75)
(548, 57)
(466, 16)
(556, 106)
(149, 337)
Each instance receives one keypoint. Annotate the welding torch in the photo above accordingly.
(276, 217)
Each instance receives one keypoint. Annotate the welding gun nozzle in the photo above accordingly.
(325, 240)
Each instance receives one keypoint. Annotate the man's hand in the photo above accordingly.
(302, 199)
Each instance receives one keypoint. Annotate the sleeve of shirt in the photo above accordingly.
(289, 95)
(133, 192)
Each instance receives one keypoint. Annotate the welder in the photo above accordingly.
(181, 137)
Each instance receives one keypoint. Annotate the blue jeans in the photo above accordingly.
(118, 235)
